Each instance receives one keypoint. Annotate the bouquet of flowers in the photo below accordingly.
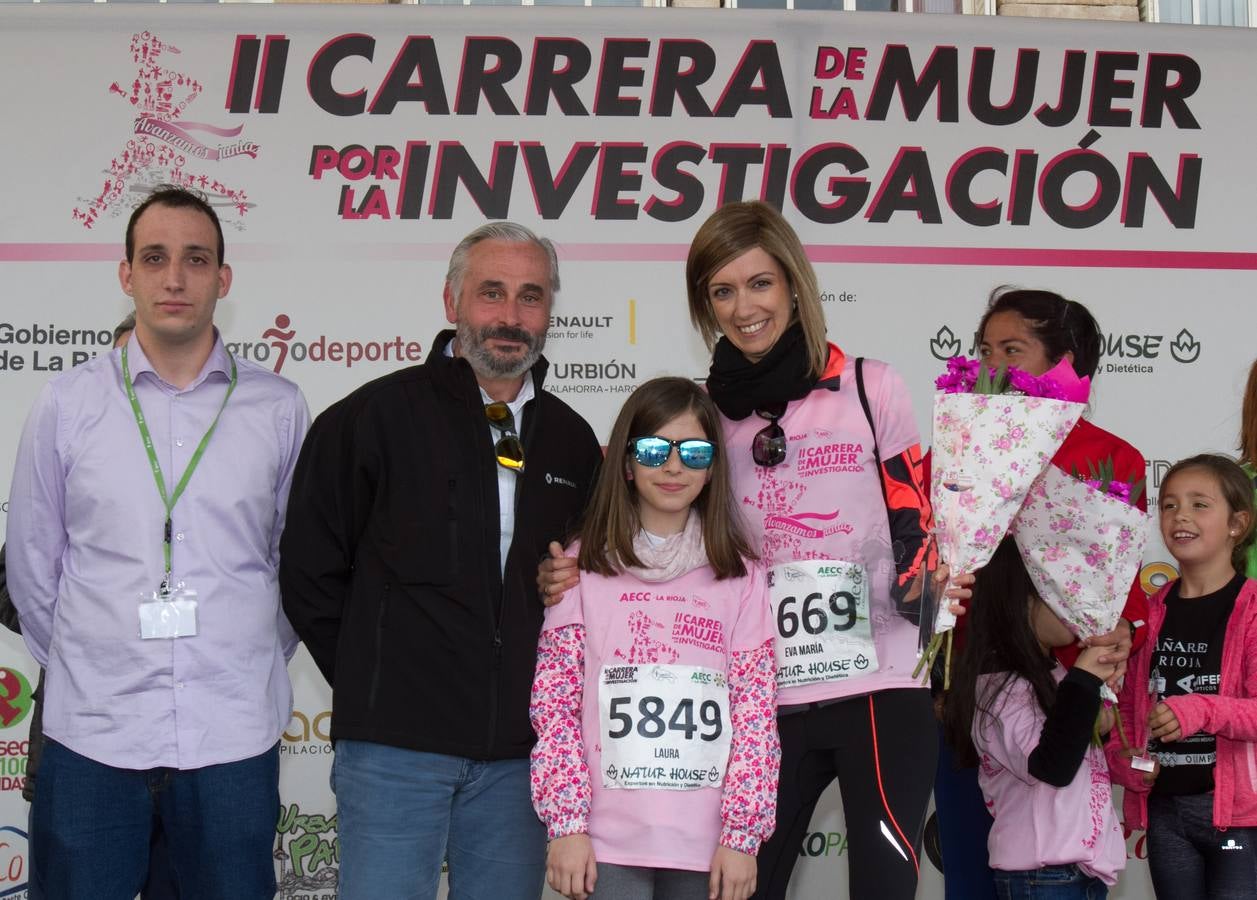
(994, 433)
(1082, 540)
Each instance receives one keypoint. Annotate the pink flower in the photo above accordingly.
(1120, 490)
(960, 377)
(1031, 386)
(1096, 555)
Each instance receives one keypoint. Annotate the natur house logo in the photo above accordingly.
(1130, 354)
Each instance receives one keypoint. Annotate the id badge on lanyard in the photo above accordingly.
(170, 611)
(824, 633)
(168, 614)
(663, 726)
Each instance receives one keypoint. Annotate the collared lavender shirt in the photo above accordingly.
(85, 543)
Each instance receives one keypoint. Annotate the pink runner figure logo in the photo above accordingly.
(282, 334)
(164, 142)
(645, 648)
(776, 501)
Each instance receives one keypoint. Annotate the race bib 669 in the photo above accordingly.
(821, 609)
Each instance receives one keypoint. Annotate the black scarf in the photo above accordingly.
(739, 386)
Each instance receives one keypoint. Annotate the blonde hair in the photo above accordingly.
(731, 231)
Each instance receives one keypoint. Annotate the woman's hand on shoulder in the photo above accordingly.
(570, 866)
(556, 575)
(732, 875)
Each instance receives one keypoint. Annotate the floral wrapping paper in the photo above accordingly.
(1082, 547)
(988, 450)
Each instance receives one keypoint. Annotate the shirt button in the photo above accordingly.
(179, 536)
(178, 442)
(178, 684)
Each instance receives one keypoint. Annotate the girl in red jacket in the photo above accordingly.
(1190, 694)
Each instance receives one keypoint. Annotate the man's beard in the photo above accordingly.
(488, 364)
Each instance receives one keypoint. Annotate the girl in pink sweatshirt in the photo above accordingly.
(1028, 725)
(655, 769)
(1190, 696)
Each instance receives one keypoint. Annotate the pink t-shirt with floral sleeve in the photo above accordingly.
(692, 627)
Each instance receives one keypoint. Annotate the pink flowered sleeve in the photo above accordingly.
(560, 778)
(749, 807)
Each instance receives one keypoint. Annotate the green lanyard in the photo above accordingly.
(170, 499)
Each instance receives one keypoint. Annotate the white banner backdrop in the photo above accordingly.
(924, 159)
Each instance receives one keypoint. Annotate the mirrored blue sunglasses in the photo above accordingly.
(653, 451)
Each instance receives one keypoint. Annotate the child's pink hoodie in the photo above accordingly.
(1231, 714)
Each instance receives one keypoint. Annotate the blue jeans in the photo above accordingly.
(1189, 859)
(1049, 883)
(159, 884)
(91, 827)
(400, 812)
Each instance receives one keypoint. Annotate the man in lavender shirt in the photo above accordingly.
(147, 503)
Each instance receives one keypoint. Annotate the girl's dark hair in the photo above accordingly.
(1237, 491)
(611, 521)
(1248, 419)
(1062, 326)
(999, 641)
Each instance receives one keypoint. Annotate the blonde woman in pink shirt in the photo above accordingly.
(1028, 725)
(655, 769)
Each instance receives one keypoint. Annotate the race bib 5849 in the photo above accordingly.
(663, 726)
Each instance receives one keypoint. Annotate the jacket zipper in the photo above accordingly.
(499, 612)
(493, 535)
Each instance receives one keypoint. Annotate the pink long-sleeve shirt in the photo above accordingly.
(1036, 824)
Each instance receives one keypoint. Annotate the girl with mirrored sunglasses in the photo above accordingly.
(655, 769)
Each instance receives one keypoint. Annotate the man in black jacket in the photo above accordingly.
(420, 507)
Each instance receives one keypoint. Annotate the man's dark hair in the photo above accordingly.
(176, 198)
